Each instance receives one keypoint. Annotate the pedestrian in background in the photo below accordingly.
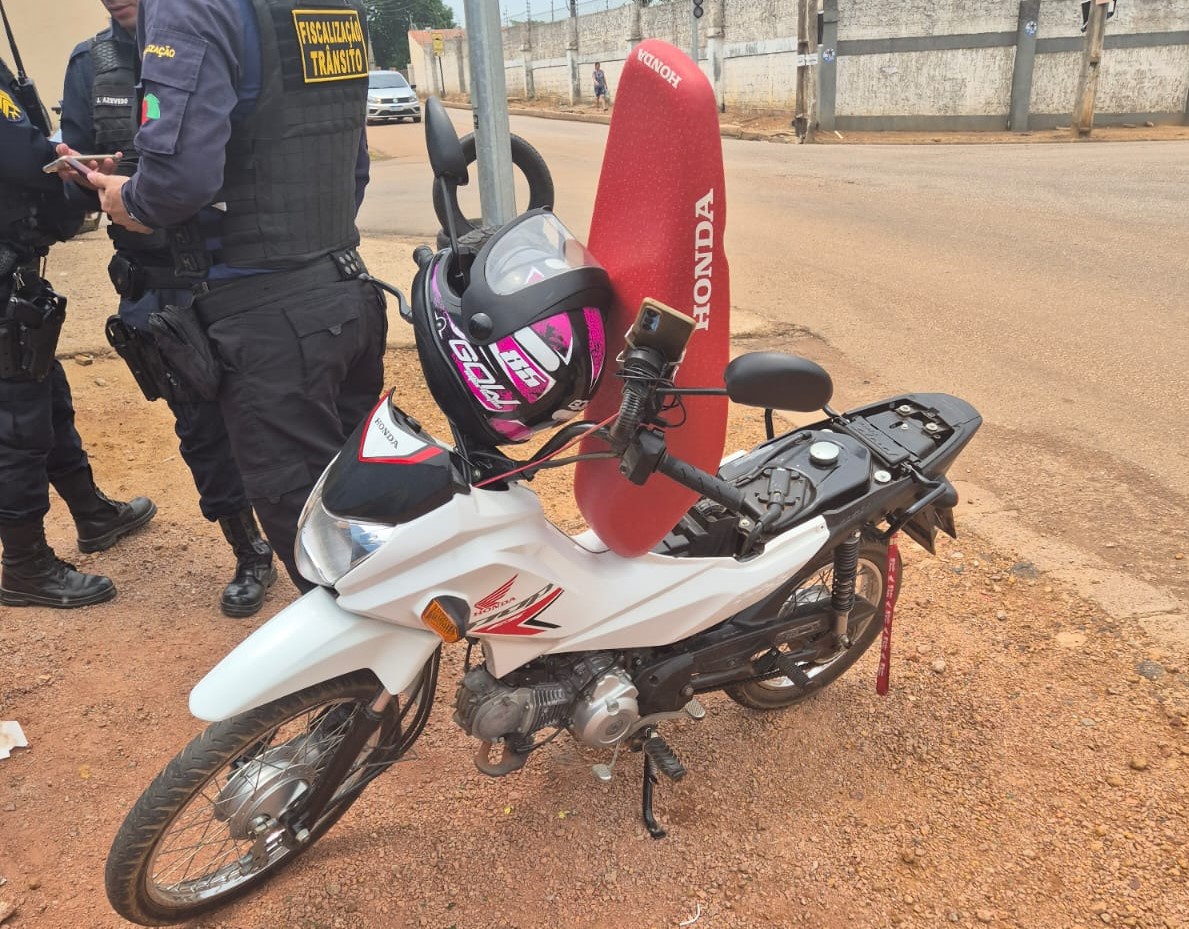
(99, 115)
(600, 86)
(252, 155)
(39, 445)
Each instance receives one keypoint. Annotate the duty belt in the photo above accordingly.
(218, 300)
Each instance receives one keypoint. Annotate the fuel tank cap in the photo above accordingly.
(824, 454)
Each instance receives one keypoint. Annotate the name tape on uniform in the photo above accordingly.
(332, 45)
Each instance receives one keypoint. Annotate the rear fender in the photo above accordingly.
(310, 641)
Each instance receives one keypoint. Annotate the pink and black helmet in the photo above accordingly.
(523, 347)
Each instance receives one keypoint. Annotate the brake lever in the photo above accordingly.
(406, 311)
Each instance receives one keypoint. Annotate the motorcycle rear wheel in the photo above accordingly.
(183, 850)
(864, 627)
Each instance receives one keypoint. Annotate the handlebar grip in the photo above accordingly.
(708, 485)
(631, 411)
(422, 255)
(641, 368)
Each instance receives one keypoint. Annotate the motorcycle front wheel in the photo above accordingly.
(208, 829)
(824, 661)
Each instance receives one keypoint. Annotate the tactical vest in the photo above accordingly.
(17, 215)
(19, 206)
(113, 115)
(289, 179)
(113, 94)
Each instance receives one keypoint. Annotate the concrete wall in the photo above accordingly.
(890, 64)
(950, 64)
(956, 82)
(1134, 82)
(46, 32)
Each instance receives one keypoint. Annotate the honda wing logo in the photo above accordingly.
(522, 617)
(497, 598)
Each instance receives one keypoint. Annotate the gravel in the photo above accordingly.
(965, 797)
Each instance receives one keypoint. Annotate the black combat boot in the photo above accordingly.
(34, 576)
(100, 520)
(254, 571)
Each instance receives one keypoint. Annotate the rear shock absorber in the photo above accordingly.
(842, 599)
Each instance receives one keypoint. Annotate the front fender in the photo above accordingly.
(310, 641)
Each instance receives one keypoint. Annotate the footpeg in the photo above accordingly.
(664, 757)
(790, 669)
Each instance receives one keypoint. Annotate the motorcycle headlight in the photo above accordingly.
(328, 546)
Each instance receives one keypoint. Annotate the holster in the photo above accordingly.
(187, 351)
(144, 360)
(132, 278)
(29, 328)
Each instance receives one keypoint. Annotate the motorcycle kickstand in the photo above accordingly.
(650, 780)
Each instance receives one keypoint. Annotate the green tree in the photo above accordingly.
(389, 22)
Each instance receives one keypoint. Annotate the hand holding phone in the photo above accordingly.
(78, 162)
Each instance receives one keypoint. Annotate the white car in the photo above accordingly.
(389, 97)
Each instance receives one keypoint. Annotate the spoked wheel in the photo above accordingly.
(217, 821)
(819, 657)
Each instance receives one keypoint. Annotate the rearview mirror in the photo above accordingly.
(446, 156)
(778, 381)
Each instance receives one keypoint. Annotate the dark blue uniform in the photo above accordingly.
(38, 442)
(252, 145)
(204, 444)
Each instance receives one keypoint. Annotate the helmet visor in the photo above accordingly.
(537, 248)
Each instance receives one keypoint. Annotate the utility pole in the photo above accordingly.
(806, 115)
(1083, 105)
(635, 32)
(572, 54)
(526, 53)
(489, 102)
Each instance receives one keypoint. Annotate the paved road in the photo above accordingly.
(1047, 284)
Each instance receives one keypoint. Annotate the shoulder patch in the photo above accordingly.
(332, 45)
(9, 109)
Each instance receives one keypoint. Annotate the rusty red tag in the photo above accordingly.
(889, 608)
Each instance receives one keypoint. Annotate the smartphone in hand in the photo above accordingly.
(78, 162)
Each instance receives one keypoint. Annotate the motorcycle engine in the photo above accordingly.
(591, 695)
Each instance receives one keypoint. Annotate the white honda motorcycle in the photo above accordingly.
(773, 584)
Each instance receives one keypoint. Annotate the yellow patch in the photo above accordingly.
(161, 51)
(332, 45)
(9, 109)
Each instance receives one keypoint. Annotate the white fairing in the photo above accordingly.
(533, 590)
(310, 641)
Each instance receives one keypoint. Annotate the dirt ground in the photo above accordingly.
(1028, 768)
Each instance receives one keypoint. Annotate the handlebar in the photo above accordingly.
(708, 485)
(642, 367)
(642, 451)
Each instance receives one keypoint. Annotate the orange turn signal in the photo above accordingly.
(438, 619)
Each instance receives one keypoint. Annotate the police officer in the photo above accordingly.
(99, 115)
(38, 442)
(252, 155)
